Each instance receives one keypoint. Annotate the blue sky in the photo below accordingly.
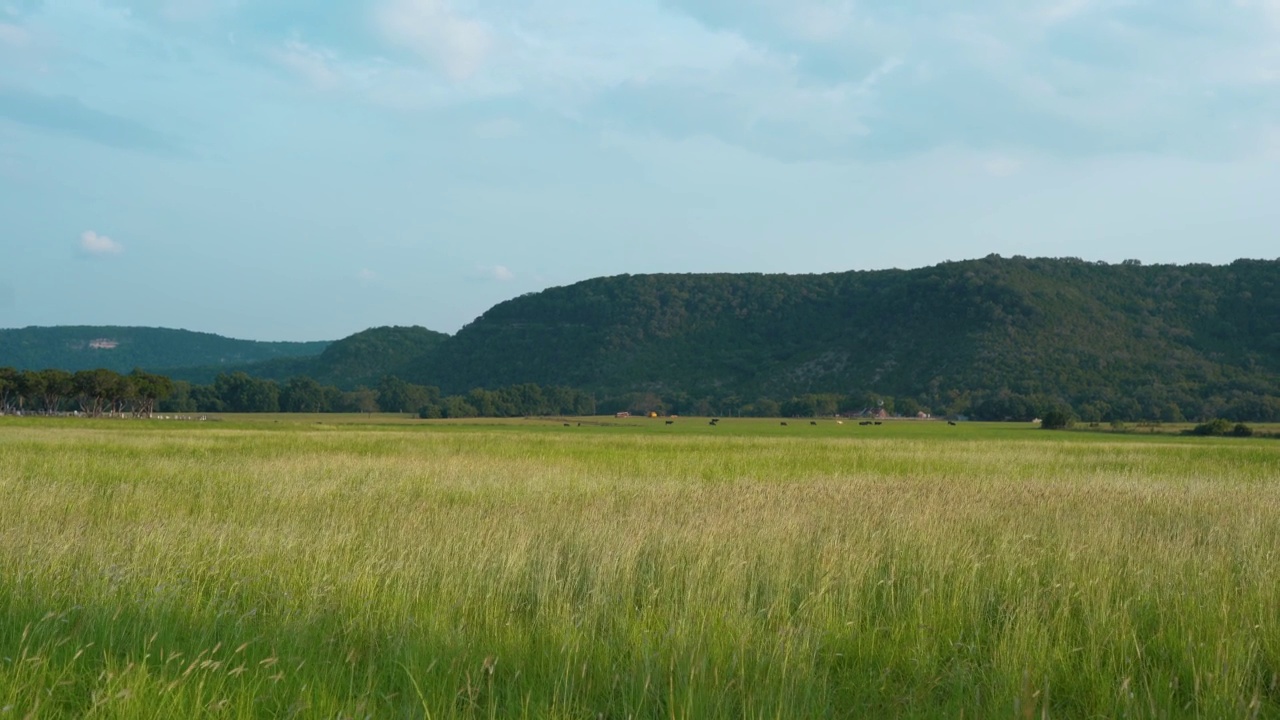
(292, 169)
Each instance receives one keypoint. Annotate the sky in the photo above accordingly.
(303, 170)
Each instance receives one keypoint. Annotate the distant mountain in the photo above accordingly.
(360, 359)
(124, 348)
(1124, 340)
(992, 338)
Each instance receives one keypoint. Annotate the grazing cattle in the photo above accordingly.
(951, 422)
(566, 424)
(784, 423)
(671, 422)
(878, 423)
(811, 422)
(839, 422)
(865, 423)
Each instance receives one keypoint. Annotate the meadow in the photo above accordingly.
(373, 567)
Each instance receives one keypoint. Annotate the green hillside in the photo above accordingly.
(123, 348)
(995, 336)
(360, 359)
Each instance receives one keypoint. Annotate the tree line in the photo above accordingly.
(91, 392)
(104, 392)
(139, 393)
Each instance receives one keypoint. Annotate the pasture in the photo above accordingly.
(392, 568)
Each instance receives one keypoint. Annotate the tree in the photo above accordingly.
(180, 400)
(303, 394)
(205, 399)
(241, 393)
(1056, 419)
(8, 389)
(361, 400)
(97, 390)
(57, 388)
(396, 395)
(455, 406)
(148, 390)
(908, 407)
(30, 388)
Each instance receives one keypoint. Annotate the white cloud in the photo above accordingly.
(95, 244)
(501, 273)
(366, 276)
(314, 65)
(433, 29)
(882, 71)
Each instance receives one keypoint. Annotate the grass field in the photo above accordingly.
(380, 567)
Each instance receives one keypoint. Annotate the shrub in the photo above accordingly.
(1214, 428)
(1241, 430)
(1055, 420)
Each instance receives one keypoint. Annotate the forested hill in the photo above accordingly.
(123, 348)
(360, 359)
(1131, 340)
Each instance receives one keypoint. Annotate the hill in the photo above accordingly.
(123, 348)
(997, 337)
(360, 359)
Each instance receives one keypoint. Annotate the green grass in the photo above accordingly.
(277, 567)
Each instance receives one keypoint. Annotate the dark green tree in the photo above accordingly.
(397, 396)
(98, 391)
(58, 387)
(149, 389)
(240, 393)
(1056, 419)
(303, 395)
(8, 389)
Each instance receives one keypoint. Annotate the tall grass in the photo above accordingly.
(160, 571)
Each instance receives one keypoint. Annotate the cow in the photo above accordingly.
(784, 424)
(812, 422)
(671, 422)
(951, 422)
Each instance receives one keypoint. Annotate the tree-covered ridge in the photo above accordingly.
(121, 349)
(367, 356)
(360, 359)
(993, 337)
